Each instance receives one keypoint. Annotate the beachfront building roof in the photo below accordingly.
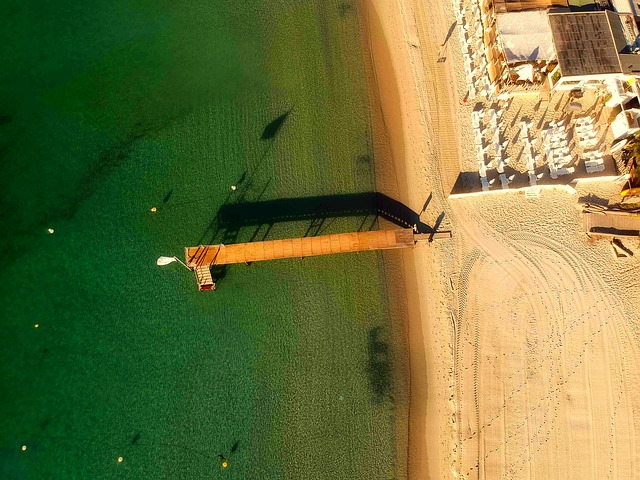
(594, 47)
(625, 6)
(504, 6)
(626, 123)
(525, 36)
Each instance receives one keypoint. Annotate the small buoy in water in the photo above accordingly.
(233, 187)
(36, 325)
(50, 230)
(24, 448)
(120, 459)
(154, 209)
(223, 461)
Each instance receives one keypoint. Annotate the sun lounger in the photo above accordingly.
(531, 164)
(584, 121)
(584, 128)
(587, 134)
(594, 168)
(482, 170)
(589, 142)
(565, 171)
(594, 164)
(504, 181)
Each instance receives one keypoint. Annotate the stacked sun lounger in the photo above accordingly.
(504, 181)
(478, 130)
(466, 40)
(594, 161)
(471, 33)
(556, 149)
(495, 126)
(586, 132)
(529, 154)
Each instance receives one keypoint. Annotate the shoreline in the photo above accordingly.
(408, 168)
(468, 395)
(386, 181)
(399, 270)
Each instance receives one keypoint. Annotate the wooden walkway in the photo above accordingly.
(612, 224)
(211, 255)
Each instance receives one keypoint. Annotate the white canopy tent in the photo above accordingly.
(525, 36)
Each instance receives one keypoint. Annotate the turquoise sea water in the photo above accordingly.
(110, 108)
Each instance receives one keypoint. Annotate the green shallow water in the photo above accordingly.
(110, 108)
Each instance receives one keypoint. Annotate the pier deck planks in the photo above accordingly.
(298, 247)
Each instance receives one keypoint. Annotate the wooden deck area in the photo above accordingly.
(210, 255)
(612, 224)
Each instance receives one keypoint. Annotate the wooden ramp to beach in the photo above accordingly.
(211, 255)
(612, 224)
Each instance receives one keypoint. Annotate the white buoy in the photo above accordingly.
(120, 459)
(24, 448)
(50, 230)
(233, 187)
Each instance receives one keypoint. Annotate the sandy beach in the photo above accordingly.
(409, 173)
(522, 332)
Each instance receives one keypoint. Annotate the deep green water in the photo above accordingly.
(108, 108)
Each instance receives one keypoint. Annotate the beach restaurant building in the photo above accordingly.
(595, 49)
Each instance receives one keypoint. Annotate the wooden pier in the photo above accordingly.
(203, 257)
(212, 255)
